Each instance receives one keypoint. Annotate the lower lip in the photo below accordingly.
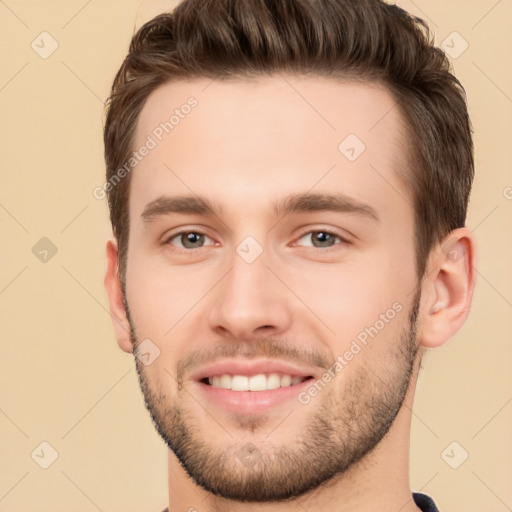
(251, 401)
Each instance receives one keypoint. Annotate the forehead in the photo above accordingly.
(269, 103)
(260, 136)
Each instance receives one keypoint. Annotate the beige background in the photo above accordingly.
(63, 379)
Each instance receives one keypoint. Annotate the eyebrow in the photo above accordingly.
(295, 203)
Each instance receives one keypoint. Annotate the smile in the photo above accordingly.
(258, 382)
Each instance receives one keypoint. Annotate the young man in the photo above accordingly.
(288, 183)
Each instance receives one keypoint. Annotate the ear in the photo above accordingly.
(115, 298)
(448, 288)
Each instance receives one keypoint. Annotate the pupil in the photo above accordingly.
(192, 239)
(323, 239)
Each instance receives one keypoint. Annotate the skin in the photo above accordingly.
(248, 144)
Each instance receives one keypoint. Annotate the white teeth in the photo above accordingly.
(259, 382)
(286, 381)
(238, 383)
(273, 381)
(225, 382)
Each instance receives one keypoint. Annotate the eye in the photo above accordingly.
(189, 240)
(319, 239)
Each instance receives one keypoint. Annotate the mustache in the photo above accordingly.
(270, 348)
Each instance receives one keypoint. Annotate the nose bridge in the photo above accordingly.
(249, 297)
(246, 287)
(246, 281)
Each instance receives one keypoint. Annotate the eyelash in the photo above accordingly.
(342, 241)
(336, 246)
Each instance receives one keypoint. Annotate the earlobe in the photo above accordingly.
(115, 298)
(448, 288)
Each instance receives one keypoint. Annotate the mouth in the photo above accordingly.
(251, 385)
(259, 393)
(257, 383)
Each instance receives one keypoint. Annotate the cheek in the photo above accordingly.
(162, 296)
(350, 296)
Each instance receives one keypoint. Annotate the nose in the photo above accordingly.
(250, 302)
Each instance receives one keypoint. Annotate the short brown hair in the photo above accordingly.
(352, 39)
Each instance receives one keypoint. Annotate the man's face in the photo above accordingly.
(305, 259)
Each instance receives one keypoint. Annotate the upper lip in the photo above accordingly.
(250, 367)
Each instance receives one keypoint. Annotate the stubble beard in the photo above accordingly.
(342, 429)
